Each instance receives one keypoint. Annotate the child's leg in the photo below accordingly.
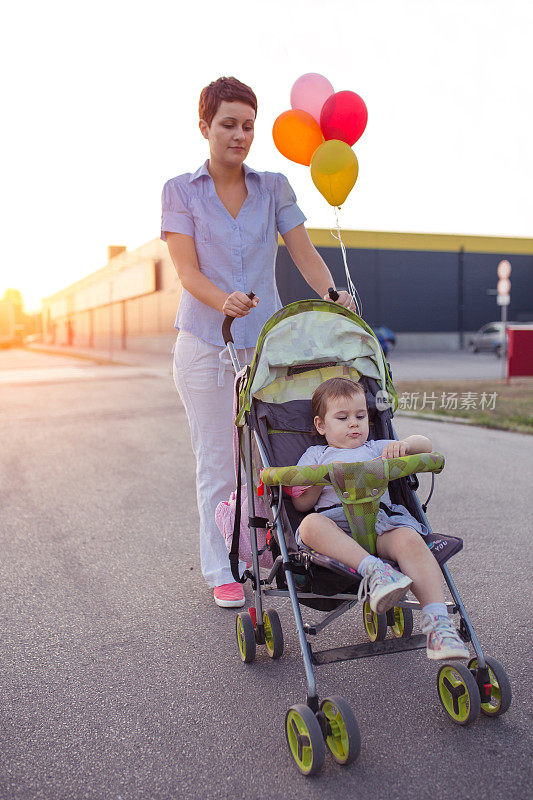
(408, 549)
(411, 553)
(324, 536)
(383, 585)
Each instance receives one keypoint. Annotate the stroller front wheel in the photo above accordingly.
(245, 633)
(501, 692)
(305, 739)
(458, 693)
(273, 633)
(344, 740)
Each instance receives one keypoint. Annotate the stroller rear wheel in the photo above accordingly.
(344, 741)
(273, 633)
(400, 621)
(305, 739)
(245, 632)
(375, 624)
(458, 693)
(501, 693)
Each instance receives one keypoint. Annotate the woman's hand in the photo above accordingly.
(345, 300)
(238, 304)
(395, 450)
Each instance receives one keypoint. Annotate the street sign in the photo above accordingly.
(503, 299)
(504, 269)
(504, 286)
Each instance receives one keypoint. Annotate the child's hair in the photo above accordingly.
(229, 89)
(331, 389)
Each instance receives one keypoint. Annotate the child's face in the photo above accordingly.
(345, 422)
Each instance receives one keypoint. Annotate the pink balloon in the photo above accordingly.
(310, 92)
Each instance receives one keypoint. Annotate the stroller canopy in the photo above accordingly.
(313, 332)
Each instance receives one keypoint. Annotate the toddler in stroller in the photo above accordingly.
(341, 416)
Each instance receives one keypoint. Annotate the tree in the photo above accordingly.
(14, 297)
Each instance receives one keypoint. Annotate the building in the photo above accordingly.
(128, 304)
(431, 289)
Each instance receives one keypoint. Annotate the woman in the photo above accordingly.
(221, 226)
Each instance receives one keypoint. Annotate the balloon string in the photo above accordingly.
(350, 285)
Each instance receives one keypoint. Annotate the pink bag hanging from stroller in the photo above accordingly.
(225, 511)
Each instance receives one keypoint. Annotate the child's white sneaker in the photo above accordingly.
(444, 643)
(383, 585)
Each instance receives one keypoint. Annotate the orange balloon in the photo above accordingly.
(297, 135)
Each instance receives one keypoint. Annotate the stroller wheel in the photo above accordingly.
(501, 693)
(344, 741)
(305, 739)
(375, 624)
(273, 633)
(400, 621)
(244, 630)
(458, 693)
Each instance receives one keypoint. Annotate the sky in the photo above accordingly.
(100, 109)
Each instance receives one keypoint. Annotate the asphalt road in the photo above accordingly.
(442, 366)
(119, 677)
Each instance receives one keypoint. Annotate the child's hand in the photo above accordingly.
(394, 450)
(295, 491)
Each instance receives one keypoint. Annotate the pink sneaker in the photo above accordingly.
(229, 595)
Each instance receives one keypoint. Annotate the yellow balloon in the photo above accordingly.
(334, 170)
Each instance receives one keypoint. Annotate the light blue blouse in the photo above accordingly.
(235, 254)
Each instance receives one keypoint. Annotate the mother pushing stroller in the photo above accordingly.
(221, 226)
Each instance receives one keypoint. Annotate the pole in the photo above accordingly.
(504, 347)
(460, 298)
(111, 320)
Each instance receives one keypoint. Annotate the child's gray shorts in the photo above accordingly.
(399, 518)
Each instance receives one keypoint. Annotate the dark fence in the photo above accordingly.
(421, 290)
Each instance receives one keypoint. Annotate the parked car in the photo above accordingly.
(386, 338)
(490, 338)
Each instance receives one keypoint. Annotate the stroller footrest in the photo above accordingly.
(369, 649)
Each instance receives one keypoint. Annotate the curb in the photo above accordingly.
(437, 417)
(461, 421)
(77, 354)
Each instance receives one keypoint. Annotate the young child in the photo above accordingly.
(341, 416)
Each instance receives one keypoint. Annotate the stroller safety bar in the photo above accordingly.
(388, 468)
(359, 486)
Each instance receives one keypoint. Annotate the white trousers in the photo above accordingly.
(204, 377)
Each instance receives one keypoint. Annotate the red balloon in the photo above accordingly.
(344, 116)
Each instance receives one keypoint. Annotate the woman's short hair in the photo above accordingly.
(229, 89)
(331, 389)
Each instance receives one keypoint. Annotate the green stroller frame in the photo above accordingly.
(280, 379)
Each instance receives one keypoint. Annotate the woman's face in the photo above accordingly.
(231, 132)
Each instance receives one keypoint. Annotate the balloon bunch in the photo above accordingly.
(319, 132)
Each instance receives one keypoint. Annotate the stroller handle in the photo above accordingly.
(226, 325)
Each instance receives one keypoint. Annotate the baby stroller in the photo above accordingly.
(300, 346)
